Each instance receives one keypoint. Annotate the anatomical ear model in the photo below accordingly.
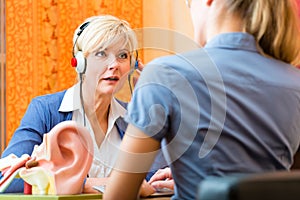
(61, 163)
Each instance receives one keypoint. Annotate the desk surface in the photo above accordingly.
(49, 197)
(66, 197)
(156, 198)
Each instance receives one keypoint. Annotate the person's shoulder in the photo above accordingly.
(180, 58)
(161, 63)
(50, 98)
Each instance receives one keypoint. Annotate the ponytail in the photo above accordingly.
(274, 24)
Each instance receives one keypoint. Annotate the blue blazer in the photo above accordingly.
(40, 117)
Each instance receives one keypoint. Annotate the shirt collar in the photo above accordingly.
(237, 40)
(116, 111)
(71, 102)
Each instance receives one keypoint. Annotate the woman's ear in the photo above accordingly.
(69, 155)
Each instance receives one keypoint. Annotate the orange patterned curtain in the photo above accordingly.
(39, 46)
(2, 75)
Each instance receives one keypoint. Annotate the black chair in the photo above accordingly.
(281, 185)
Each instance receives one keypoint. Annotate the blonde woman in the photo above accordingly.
(229, 107)
(104, 54)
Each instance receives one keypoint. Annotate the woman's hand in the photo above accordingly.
(139, 70)
(140, 66)
(90, 182)
(146, 189)
(162, 179)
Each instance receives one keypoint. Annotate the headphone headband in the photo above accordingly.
(82, 27)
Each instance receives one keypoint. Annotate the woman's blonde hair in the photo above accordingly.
(102, 31)
(274, 24)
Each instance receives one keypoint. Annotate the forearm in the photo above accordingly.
(29, 133)
(137, 152)
(21, 143)
(125, 185)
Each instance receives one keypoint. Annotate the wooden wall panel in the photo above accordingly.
(39, 46)
(169, 15)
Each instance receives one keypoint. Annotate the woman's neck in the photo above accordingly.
(98, 116)
(220, 21)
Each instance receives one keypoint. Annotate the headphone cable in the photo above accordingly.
(82, 101)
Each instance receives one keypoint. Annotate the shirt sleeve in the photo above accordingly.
(28, 134)
(150, 109)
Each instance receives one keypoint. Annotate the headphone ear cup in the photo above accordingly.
(134, 61)
(81, 62)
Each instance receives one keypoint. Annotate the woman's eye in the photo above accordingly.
(123, 55)
(101, 54)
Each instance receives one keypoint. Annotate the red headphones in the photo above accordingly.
(78, 60)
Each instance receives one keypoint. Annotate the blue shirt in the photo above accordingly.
(222, 109)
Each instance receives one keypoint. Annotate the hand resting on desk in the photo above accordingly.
(145, 190)
(162, 179)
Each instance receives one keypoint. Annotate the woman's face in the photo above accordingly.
(107, 69)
